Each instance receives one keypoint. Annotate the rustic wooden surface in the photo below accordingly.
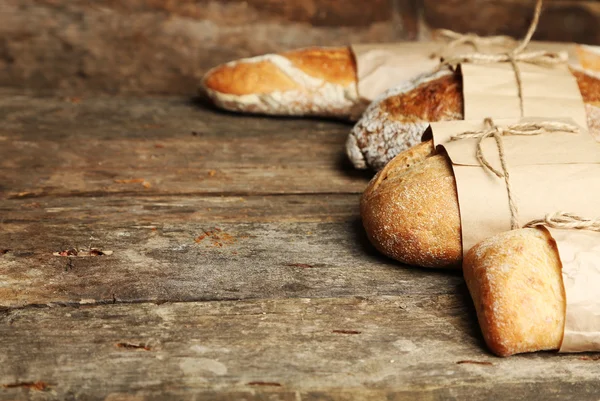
(165, 46)
(239, 269)
(561, 20)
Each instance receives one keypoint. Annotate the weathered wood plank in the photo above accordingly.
(402, 347)
(175, 249)
(52, 147)
(164, 46)
(562, 20)
(171, 209)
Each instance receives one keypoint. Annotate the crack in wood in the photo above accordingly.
(38, 386)
(114, 301)
(140, 346)
(73, 252)
(137, 194)
(259, 383)
(303, 265)
(474, 362)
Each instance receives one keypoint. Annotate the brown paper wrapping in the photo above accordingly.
(557, 171)
(383, 66)
(579, 252)
(549, 172)
(490, 91)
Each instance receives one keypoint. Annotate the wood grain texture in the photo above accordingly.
(400, 347)
(238, 268)
(245, 208)
(171, 249)
(54, 147)
(164, 46)
(561, 20)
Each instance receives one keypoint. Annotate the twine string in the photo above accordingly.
(559, 219)
(456, 39)
(518, 54)
(566, 220)
(524, 128)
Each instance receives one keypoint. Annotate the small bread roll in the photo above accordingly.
(316, 81)
(516, 284)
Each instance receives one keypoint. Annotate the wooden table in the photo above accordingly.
(239, 268)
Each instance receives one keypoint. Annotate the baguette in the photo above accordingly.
(515, 281)
(397, 119)
(410, 208)
(314, 81)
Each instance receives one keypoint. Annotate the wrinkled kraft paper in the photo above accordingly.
(551, 172)
(579, 252)
(386, 65)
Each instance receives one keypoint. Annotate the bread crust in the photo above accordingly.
(431, 211)
(403, 226)
(399, 117)
(385, 129)
(318, 81)
(335, 65)
(589, 57)
(312, 81)
(516, 284)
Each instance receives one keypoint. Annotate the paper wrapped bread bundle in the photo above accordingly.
(322, 81)
(516, 284)
(396, 120)
(316, 81)
(410, 208)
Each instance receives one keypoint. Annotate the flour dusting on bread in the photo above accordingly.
(274, 84)
(515, 281)
(399, 117)
(381, 133)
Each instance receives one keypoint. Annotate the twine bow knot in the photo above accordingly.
(456, 39)
(567, 221)
(492, 130)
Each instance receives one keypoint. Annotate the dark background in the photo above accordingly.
(165, 46)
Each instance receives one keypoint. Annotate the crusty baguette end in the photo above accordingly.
(515, 281)
(313, 81)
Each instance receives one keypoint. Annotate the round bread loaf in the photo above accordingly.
(410, 209)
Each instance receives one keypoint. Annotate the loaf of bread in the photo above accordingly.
(317, 81)
(410, 208)
(516, 284)
(314, 81)
(396, 120)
